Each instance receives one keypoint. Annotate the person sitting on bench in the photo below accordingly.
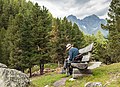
(73, 52)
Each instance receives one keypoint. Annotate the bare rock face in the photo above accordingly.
(13, 78)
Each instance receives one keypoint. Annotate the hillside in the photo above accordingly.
(108, 75)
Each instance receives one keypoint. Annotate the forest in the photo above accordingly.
(30, 35)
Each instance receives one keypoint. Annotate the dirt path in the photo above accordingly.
(60, 82)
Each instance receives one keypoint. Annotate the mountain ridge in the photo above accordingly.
(90, 24)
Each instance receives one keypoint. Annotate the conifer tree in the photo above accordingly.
(42, 23)
(4, 55)
(77, 36)
(54, 40)
(114, 31)
(100, 44)
(64, 32)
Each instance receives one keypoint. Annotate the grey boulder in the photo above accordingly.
(13, 78)
(3, 65)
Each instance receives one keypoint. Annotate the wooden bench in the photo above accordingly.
(81, 68)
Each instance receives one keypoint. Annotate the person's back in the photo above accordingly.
(73, 52)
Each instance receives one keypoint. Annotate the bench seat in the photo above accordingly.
(80, 65)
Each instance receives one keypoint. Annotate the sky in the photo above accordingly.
(78, 8)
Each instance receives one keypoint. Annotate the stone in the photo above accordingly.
(3, 65)
(80, 73)
(95, 65)
(72, 79)
(86, 49)
(80, 65)
(13, 78)
(86, 57)
(93, 84)
(80, 69)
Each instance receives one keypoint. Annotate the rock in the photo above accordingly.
(71, 79)
(95, 65)
(3, 65)
(13, 78)
(93, 84)
(80, 65)
(80, 73)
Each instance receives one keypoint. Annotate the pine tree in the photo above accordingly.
(100, 47)
(42, 23)
(0, 45)
(114, 31)
(54, 40)
(63, 33)
(4, 54)
(77, 36)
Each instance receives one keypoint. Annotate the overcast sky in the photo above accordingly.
(79, 8)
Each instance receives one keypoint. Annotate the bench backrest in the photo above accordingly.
(86, 52)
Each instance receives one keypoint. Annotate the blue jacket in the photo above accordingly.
(73, 52)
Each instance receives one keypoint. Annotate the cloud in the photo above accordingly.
(79, 8)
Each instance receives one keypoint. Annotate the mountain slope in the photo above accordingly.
(90, 24)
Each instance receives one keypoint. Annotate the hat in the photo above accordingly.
(68, 46)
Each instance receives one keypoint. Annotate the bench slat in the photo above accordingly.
(86, 49)
(86, 58)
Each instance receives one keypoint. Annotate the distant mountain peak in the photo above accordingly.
(92, 17)
(73, 18)
(71, 15)
(90, 24)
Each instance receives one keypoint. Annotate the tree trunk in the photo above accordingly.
(41, 68)
(58, 63)
(30, 71)
(23, 71)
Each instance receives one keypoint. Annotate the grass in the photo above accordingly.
(47, 79)
(51, 65)
(103, 74)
